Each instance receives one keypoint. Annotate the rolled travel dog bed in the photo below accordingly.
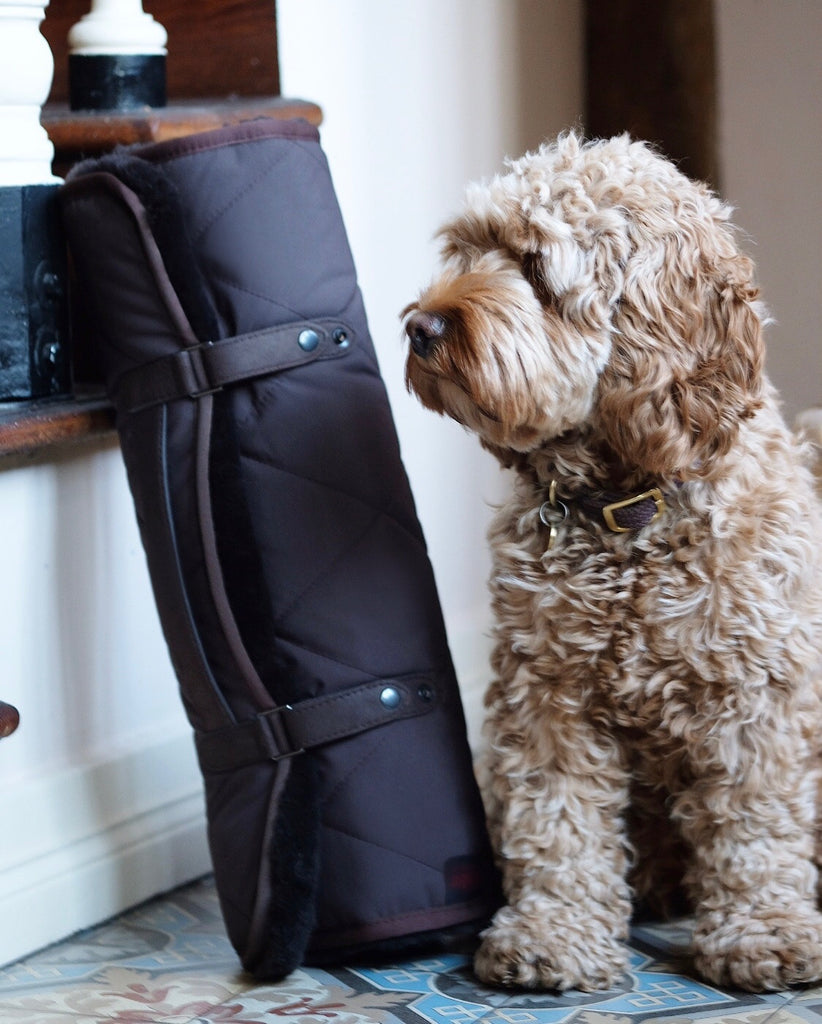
(214, 278)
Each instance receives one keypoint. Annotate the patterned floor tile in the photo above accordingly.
(807, 1006)
(170, 962)
(444, 991)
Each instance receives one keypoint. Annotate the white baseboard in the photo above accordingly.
(81, 845)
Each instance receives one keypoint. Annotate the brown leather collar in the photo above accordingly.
(621, 513)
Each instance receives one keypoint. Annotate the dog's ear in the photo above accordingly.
(686, 367)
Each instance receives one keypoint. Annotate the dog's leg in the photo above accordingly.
(752, 875)
(558, 789)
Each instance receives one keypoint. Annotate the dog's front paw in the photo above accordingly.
(537, 951)
(761, 953)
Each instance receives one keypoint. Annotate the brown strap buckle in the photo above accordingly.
(291, 729)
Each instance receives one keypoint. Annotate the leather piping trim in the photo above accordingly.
(216, 581)
(196, 663)
(206, 684)
(294, 728)
(229, 135)
(88, 185)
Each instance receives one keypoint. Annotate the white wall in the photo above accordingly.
(770, 105)
(418, 99)
(100, 800)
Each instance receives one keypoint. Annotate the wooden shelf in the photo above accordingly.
(100, 130)
(28, 429)
(79, 134)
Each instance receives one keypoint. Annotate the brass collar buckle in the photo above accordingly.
(638, 514)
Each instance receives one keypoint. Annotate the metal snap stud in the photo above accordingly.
(425, 693)
(308, 340)
(390, 697)
(341, 338)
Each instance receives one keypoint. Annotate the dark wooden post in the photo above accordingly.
(651, 72)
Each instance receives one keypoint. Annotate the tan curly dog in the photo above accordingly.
(655, 709)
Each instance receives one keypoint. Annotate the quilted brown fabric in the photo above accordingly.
(288, 564)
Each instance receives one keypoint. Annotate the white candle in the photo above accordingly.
(117, 26)
(117, 58)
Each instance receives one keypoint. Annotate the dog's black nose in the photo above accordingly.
(424, 331)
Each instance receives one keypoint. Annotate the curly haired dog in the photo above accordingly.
(657, 584)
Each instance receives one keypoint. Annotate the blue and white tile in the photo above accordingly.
(169, 962)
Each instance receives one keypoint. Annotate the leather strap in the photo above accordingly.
(294, 728)
(623, 513)
(202, 369)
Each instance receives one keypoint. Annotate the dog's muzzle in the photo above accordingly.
(424, 330)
